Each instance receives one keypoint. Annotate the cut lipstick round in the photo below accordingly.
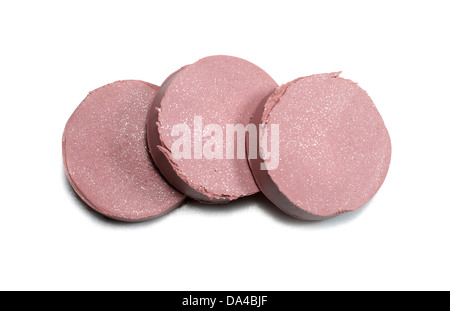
(191, 123)
(106, 158)
(333, 151)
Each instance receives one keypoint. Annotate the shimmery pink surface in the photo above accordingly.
(335, 150)
(106, 157)
(222, 90)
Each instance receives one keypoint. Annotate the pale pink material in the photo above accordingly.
(222, 90)
(106, 157)
(335, 150)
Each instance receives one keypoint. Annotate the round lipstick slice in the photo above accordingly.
(331, 153)
(106, 158)
(194, 122)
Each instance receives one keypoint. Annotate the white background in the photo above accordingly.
(52, 53)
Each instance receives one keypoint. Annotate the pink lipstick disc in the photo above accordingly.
(106, 157)
(334, 148)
